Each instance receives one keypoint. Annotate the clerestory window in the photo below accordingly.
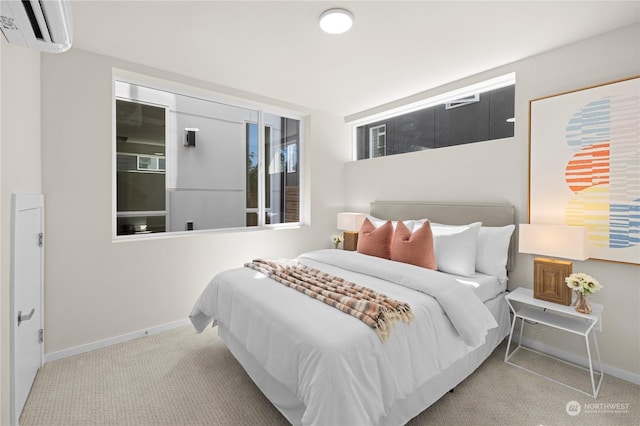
(478, 113)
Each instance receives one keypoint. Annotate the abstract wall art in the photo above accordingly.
(584, 165)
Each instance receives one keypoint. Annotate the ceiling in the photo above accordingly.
(394, 49)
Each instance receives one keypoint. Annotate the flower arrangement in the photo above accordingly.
(337, 240)
(582, 283)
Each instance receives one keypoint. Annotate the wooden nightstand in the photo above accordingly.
(528, 309)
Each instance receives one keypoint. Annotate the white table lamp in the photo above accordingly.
(567, 242)
(350, 223)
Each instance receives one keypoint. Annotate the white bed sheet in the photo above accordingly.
(332, 362)
(484, 286)
(403, 410)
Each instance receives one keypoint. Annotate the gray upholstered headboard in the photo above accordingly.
(450, 214)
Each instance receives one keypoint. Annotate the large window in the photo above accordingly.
(458, 119)
(187, 164)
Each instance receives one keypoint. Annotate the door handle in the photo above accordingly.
(25, 317)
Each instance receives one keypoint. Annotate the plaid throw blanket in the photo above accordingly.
(374, 309)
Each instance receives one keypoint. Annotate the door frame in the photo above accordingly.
(23, 201)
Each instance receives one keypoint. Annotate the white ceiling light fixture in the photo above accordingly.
(336, 21)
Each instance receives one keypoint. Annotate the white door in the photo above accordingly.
(27, 297)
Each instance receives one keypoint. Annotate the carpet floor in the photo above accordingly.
(180, 378)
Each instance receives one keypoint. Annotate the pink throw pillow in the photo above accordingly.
(416, 249)
(375, 241)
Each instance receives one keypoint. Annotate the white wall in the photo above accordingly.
(97, 289)
(19, 172)
(497, 171)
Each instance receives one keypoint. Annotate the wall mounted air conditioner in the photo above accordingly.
(45, 25)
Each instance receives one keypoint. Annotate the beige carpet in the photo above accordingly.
(180, 378)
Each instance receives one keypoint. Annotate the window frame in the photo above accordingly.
(173, 89)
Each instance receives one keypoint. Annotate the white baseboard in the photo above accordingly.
(53, 356)
(579, 359)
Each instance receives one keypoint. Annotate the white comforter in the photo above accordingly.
(336, 365)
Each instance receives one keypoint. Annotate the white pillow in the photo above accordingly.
(417, 224)
(455, 247)
(379, 222)
(493, 250)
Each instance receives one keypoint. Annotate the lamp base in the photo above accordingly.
(350, 241)
(548, 280)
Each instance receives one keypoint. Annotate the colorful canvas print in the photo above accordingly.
(584, 170)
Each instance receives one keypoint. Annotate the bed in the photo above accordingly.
(318, 365)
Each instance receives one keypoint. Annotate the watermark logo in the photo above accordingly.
(573, 408)
(606, 407)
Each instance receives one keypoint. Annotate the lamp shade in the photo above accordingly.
(568, 242)
(349, 221)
